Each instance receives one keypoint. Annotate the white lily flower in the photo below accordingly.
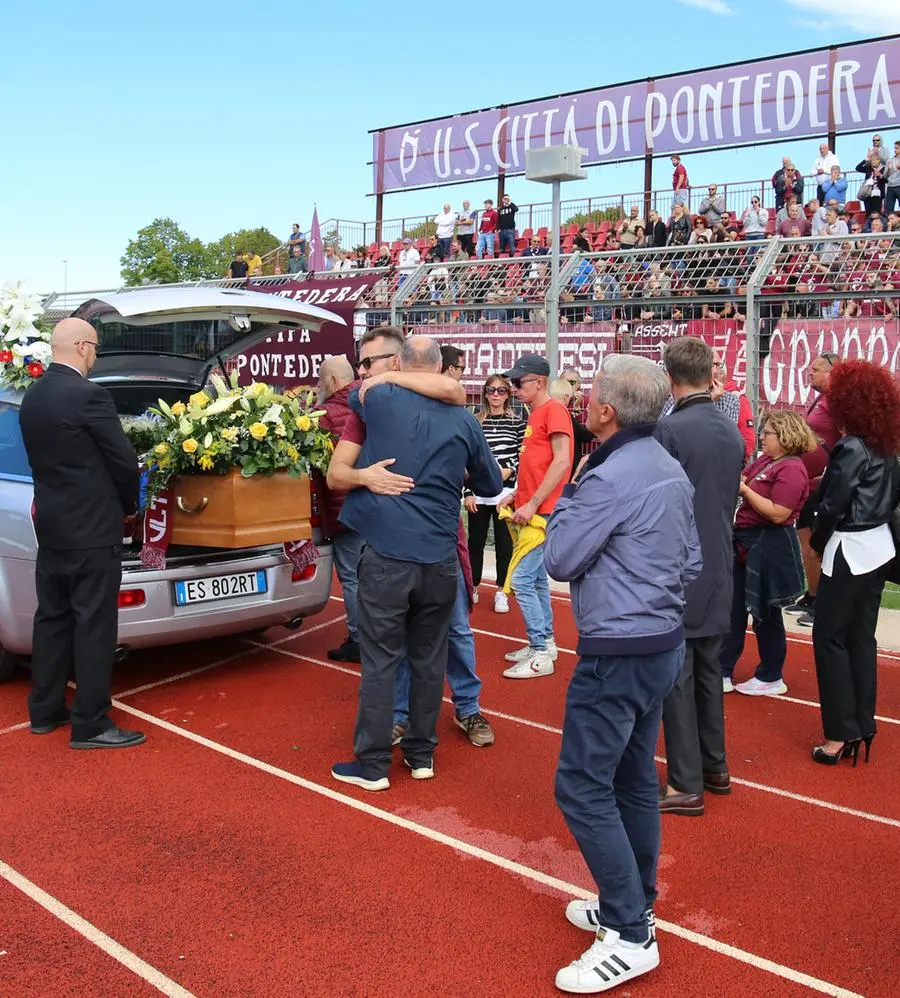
(272, 414)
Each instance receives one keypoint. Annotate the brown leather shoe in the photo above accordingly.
(717, 783)
(689, 805)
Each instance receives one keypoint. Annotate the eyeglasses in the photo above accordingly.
(496, 390)
(92, 343)
(573, 382)
(770, 433)
(367, 362)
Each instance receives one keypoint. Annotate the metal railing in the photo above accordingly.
(347, 234)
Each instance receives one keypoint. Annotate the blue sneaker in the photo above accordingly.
(352, 772)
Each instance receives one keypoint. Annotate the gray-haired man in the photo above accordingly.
(408, 570)
(624, 538)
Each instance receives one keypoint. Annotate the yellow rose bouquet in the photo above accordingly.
(226, 426)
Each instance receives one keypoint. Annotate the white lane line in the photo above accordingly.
(816, 704)
(879, 819)
(165, 985)
(253, 646)
(510, 866)
(15, 727)
(890, 656)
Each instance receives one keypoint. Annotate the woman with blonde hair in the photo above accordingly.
(768, 568)
(504, 431)
(562, 390)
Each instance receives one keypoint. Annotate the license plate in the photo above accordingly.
(220, 587)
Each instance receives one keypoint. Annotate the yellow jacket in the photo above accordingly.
(526, 537)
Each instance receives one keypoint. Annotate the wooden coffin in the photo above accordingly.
(228, 511)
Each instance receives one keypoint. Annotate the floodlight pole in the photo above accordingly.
(552, 299)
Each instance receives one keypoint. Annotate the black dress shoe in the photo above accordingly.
(48, 727)
(111, 738)
(717, 783)
(689, 805)
(348, 652)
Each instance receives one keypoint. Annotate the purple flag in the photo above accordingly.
(316, 249)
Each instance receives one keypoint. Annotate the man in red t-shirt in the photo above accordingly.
(487, 230)
(820, 422)
(544, 463)
(679, 182)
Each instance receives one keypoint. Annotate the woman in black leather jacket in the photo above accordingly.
(852, 535)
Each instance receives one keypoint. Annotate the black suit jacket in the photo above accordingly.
(85, 471)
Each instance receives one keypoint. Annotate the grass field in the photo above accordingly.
(891, 598)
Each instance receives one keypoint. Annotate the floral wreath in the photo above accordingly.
(24, 337)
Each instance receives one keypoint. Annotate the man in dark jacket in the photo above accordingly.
(709, 447)
(624, 537)
(335, 384)
(85, 483)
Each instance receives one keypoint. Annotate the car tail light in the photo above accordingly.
(304, 574)
(32, 511)
(131, 598)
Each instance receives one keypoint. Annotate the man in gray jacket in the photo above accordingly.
(624, 538)
(709, 446)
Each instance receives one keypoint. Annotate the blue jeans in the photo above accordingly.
(606, 782)
(347, 546)
(770, 637)
(485, 242)
(680, 197)
(532, 589)
(508, 239)
(465, 686)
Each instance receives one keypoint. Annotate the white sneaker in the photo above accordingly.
(607, 964)
(420, 772)
(501, 602)
(475, 596)
(539, 664)
(754, 688)
(727, 685)
(586, 915)
(521, 654)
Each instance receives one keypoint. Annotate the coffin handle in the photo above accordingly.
(184, 508)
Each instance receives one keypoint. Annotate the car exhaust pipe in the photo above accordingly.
(292, 625)
(122, 652)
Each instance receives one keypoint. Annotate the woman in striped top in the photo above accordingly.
(504, 431)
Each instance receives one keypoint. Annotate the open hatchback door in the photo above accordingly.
(176, 336)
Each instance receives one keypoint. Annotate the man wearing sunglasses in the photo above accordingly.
(544, 464)
(409, 567)
(85, 483)
(379, 354)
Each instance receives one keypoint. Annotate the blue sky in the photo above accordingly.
(224, 118)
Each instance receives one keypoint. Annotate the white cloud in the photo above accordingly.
(874, 17)
(713, 6)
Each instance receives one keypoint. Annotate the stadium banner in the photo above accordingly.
(851, 88)
(792, 346)
(294, 356)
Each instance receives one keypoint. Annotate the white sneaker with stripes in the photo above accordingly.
(586, 915)
(607, 964)
(523, 654)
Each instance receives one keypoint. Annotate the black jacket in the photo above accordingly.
(859, 491)
(710, 448)
(85, 471)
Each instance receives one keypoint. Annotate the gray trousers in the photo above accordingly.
(403, 607)
(693, 718)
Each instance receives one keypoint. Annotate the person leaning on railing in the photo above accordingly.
(852, 534)
(768, 569)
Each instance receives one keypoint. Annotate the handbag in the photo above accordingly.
(865, 190)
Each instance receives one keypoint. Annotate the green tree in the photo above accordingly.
(332, 240)
(163, 251)
(220, 253)
(597, 216)
(423, 230)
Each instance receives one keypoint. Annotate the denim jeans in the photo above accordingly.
(347, 546)
(606, 782)
(507, 239)
(465, 686)
(891, 199)
(770, 637)
(531, 586)
(680, 197)
(485, 242)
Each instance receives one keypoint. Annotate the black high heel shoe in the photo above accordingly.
(868, 739)
(849, 750)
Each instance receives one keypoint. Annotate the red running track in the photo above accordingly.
(223, 856)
